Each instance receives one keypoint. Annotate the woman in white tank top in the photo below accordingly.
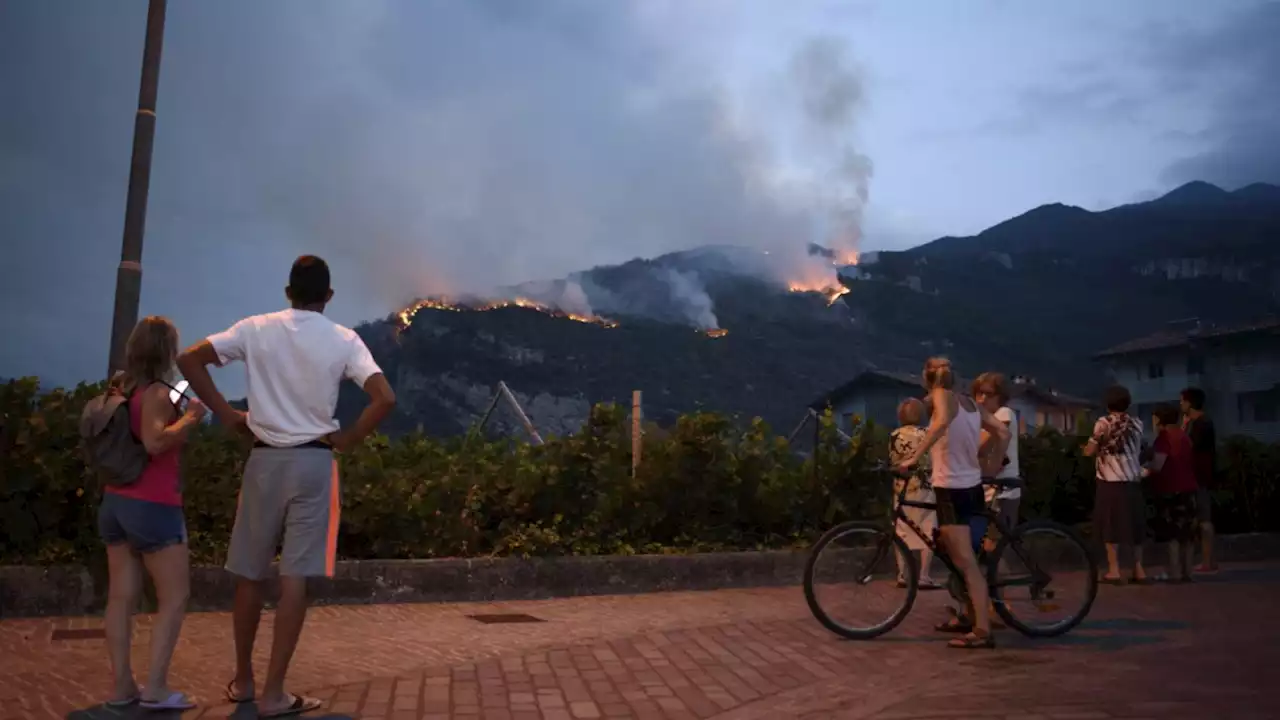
(952, 443)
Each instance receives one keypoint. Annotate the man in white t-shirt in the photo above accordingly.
(294, 362)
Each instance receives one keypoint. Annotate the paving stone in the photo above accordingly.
(722, 655)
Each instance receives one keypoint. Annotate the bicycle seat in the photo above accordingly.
(1012, 483)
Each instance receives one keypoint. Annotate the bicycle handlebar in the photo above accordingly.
(1013, 483)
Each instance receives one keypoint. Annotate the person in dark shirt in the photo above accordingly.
(1204, 443)
(1173, 480)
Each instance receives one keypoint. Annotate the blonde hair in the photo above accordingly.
(150, 352)
(937, 374)
(995, 381)
(910, 412)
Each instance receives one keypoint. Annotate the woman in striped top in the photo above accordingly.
(1119, 511)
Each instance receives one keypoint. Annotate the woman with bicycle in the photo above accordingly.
(951, 443)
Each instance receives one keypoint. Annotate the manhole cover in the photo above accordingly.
(79, 634)
(505, 618)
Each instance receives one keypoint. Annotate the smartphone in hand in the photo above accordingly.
(179, 392)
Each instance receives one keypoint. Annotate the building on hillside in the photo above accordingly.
(1238, 367)
(874, 395)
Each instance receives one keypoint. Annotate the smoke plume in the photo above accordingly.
(831, 97)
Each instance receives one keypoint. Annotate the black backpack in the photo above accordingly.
(106, 438)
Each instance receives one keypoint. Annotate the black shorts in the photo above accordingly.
(957, 506)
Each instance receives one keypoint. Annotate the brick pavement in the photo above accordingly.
(1199, 651)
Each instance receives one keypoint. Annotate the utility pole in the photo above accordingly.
(129, 274)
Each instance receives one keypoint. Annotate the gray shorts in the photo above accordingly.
(289, 499)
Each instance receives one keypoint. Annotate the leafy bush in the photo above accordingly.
(705, 483)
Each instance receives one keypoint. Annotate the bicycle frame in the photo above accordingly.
(931, 541)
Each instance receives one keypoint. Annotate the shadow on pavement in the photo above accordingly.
(245, 711)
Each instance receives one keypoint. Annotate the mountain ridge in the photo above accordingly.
(1037, 294)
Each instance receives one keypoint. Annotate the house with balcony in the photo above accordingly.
(874, 395)
(1237, 367)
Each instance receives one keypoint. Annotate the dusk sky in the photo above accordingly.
(424, 146)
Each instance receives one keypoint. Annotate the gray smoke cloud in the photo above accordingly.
(423, 147)
(832, 96)
(691, 296)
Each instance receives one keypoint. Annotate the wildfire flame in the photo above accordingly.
(716, 332)
(406, 315)
(825, 282)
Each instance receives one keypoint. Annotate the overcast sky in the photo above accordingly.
(429, 145)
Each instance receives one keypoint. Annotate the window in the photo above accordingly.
(1264, 408)
(1195, 364)
(1155, 370)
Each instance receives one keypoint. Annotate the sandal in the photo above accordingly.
(300, 704)
(973, 641)
(955, 625)
(233, 696)
(176, 701)
(123, 702)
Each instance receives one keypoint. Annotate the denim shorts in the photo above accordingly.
(145, 526)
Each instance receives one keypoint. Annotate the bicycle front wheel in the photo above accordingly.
(1043, 579)
(851, 580)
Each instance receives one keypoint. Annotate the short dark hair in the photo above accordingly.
(993, 380)
(309, 280)
(1194, 397)
(1166, 414)
(1117, 398)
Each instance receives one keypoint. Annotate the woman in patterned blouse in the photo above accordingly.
(903, 444)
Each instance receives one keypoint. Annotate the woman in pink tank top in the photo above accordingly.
(141, 523)
(951, 444)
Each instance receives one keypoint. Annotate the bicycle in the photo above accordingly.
(858, 568)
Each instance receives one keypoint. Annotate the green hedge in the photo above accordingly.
(705, 483)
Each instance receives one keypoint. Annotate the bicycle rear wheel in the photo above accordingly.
(1043, 579)
(851, 580)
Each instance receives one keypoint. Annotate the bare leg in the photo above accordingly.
(926, 560)
(124, 588)
(1206, 547)
(290, 615)
(245, 619)
(960, 548)
(902, 563)
(170, 571)
(1139, 573)
(1113, 561)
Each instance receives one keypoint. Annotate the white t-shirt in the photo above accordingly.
(294, 361)
(1007, 416)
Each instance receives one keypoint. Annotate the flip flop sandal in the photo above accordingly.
(299, 705)
(123, 703)
(929, 585)
(232, 696)
(175, 701)
(954, 626)
(973, 642)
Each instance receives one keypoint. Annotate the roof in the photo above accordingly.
(1173, 338)
(909, 381)
(864, 378)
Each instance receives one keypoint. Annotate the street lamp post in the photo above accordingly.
(129, 274)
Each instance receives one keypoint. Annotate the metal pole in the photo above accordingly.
(519, 411)
(129, 274)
